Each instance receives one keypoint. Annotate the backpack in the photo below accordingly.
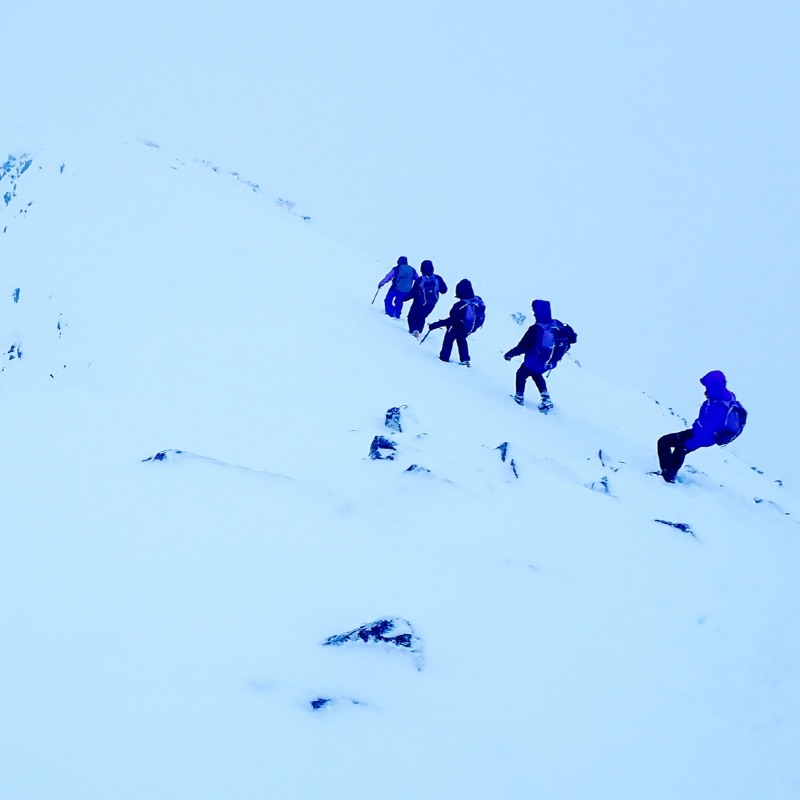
(557, 338)
(428, 290)
(734, 423)
(404, 278)
(472, 314)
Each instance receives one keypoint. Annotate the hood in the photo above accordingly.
(426, 267)
(464, 290)
(714, 382)
(541, 310)
(401, 261)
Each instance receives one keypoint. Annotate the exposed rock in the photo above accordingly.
(392, 421)
(681, 526)
(382, 448)
(319, 703)
(162, 455)
(601, 486)
(390, 632)
(503, 448)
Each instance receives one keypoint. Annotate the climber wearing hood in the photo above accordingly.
(544, 344)
(425, 293)
(466, 316)
(720, 420)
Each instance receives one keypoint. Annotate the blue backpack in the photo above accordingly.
(428, 290)
(404, 278)
(557, 338)
(472, 314)
(734, 423)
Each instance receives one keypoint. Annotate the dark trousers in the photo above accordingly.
(523, 373)
(393, 302)
(454, 334)
(417, 315)
(671, 453)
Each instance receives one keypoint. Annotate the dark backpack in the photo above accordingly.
(428, 290)
(404, 278)
(472, 314)
(734, 423)
(557, 338)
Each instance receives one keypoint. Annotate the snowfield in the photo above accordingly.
(191, 382)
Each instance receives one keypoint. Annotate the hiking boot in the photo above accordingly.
(446, 360)
(665, 475)
(464, 363)
(546, 403)
(415, 334)
(519, 399)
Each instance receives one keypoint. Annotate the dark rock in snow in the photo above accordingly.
(327, 702)
(771, 504)
(391, 632)
(417, 468)
(162, 455)
(681, 526)
(503, 448)
(173, 455)
(392, 421)
(601, 486)
(608, 462)
(382, 447)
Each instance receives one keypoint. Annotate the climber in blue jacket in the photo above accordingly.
(402, 277)
(714, 425)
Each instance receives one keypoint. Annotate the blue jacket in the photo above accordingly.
(713, 413)
(395, 273)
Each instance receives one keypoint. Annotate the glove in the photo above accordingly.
(507, 357)
(434, 325)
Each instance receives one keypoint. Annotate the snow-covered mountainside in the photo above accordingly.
(194, 534)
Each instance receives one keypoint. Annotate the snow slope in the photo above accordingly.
(163, 619)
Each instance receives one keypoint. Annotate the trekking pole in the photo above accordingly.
(427, 334)
(376, 294)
